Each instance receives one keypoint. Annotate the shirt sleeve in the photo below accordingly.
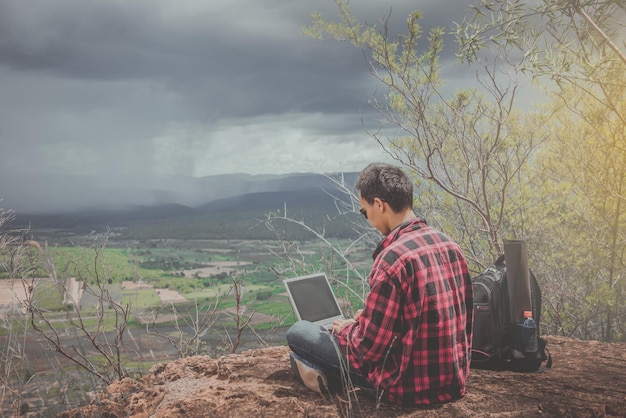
(379, 327)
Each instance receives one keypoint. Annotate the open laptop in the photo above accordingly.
(313, 299)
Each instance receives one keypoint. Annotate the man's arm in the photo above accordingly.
(370, 337)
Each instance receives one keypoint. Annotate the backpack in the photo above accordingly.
(499, 340)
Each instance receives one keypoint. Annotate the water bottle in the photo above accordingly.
(530, 332)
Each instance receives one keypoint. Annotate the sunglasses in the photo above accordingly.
(364, 212)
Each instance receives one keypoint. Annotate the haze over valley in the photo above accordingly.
(213, 207)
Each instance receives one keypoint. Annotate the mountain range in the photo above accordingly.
(214, 207)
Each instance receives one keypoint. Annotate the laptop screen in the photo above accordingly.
(312, 298)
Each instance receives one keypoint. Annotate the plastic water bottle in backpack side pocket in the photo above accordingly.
(530, 332)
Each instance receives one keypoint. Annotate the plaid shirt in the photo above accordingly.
(413, 339)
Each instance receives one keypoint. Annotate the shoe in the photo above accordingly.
(312, 377)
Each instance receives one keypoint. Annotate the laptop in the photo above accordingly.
(313, 299)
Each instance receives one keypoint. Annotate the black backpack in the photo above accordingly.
(499, 340)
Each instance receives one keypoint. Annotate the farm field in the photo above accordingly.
(158, 273)
(173, 290)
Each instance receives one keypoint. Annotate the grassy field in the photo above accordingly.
(139, 276)
(202, 273)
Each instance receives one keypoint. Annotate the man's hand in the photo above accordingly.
(340, 324)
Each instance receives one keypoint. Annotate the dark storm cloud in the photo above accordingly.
(123, 91)
(239, 58)
(220, 61)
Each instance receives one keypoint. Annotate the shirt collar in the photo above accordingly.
(407, 226)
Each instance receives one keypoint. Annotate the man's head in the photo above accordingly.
(386, 195)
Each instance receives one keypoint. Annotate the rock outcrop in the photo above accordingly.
(588, 379)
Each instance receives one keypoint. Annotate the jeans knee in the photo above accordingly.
(289, 335)
(295, 332)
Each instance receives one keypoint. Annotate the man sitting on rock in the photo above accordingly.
(410, 344)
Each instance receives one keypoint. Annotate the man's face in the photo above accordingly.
(375, 214)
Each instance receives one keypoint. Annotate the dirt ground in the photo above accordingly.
(215, 268)
(166, 296)
(588, 379)
(13, 292)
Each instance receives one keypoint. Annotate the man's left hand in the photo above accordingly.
(340, 324)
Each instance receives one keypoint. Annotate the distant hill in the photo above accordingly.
(245, 202)
(32, 194)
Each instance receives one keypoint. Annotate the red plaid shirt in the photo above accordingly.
(413, 339)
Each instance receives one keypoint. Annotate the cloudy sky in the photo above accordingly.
(129, 90)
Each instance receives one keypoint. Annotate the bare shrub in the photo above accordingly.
(102, 328)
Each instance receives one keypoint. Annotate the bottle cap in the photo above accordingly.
(528, 314)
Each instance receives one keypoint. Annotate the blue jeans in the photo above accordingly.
(317, 345)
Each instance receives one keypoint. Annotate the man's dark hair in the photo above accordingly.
(388, 183)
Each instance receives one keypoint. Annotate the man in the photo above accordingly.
(411, 341)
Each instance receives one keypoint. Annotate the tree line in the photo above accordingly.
(490, 169)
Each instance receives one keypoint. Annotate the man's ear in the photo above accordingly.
(379, 204)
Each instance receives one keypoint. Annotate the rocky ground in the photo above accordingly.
(588, 379)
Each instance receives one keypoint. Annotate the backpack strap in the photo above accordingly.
(545, 354)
